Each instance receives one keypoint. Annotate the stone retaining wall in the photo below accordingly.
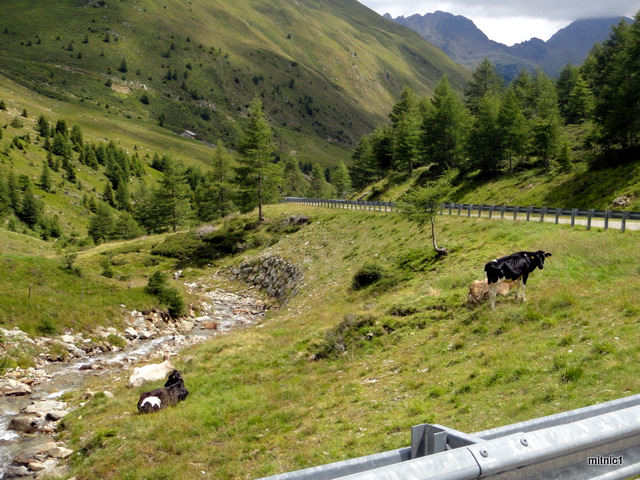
(278, 277)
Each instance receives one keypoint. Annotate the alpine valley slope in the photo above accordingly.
(327, 69)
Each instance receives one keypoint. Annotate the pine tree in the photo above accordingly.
(294, 183)
(443, 128)
(45, 178)
(126, 227)
(405, 131)
(101, 224)
(123, 66)
(5, 203)
(546, 121)
(13, 192)
(43, 126)
(213, 195)
(171, 199)
(123, 199)
(257, 177)
(76, 138)
(31, 208)
(513, 127)
(484, 80)
(341, 180)
(108, 196)
(318, 187)
(485, 143)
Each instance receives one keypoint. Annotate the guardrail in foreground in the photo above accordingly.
(596, 442)
(530, 213)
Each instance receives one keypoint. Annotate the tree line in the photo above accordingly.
(496, 127)
(124, 208)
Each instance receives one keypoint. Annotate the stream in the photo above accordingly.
(228, 311)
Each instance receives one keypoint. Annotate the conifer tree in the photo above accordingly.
(31, 208)
(294, 183)
(443, 128)
(45, 178)
(108, 196)
(485, 143)
(341, 180)
(257, 177)
(43, 126)
(484, 80)
(101, 223)
(5, 203)
(171, 199)
(13, 192)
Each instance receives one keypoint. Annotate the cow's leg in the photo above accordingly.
(493, 291)
(517, 284)
(522, 287)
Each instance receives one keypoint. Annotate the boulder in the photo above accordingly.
(59, 452)
(130, 333)
(185, 326)
(24, 424)
(16, 471)
(13, 387)
(43, 408)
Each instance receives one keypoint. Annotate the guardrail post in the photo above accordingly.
(606, 219)
(469, 209)
(589, 219)
(573, 216)
(542, 214)
(450, 208)
(623, 225)
(558, 210)
(515, 213)
(502, 210)
(528, 213)
(480, 211)
(491, 210)
(459, 209)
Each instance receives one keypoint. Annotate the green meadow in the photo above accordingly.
(340, 372)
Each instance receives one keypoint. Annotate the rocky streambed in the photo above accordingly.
(30, 399)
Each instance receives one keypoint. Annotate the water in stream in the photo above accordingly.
(229, 310)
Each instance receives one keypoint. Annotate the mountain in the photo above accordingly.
(465, 43)
(327, 71)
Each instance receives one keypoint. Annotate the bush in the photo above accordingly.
(157, 284)
(368, 274)
(117, 341)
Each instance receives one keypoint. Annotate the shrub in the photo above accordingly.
(117, 341)
(157, 283)
(368, 274)
(174, 301)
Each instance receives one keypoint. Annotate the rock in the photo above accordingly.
(44, 407)
(205, 230)
(11, 387)
(59, 452)
(30, 453)
(209, 325)
(108, 394)
(130, 333)
(24, 424)
(16, 471)
(68, 338)
(623, 201)
(55, 415)
(185, 326)
(204, 318)
(145, 335)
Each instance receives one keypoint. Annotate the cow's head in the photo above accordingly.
(539, 258)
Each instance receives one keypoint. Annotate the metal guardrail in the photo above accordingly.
(597, 442)
(604, 218)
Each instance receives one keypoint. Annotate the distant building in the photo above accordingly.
(188, 134)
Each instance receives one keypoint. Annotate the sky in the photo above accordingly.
(512, 21)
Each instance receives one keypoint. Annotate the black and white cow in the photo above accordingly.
(513, 268)
(173, 392)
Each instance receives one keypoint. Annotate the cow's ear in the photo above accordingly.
(547, 254)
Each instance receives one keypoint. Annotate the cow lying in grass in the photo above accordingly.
(150, 373)
(515, 268)
(173, 392)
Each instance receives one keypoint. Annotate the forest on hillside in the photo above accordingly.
(533, 122)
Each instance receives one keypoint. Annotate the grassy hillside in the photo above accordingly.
(327, 69)
(581, 187)
(339, 372)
